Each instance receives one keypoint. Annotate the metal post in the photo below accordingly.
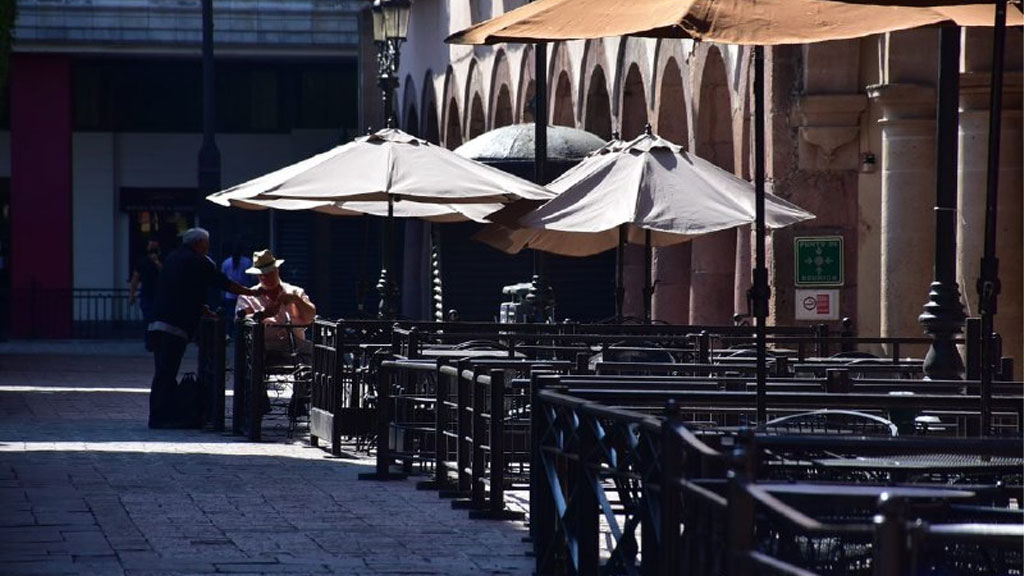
(988, 283)
(388, 53)
(943, 314)
(760, 291)
(648, 286)
(620, 286)
(209, 155)
(540, 168)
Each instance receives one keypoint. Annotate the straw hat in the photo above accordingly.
(263, 262)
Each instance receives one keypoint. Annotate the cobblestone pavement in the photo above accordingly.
(87, 488)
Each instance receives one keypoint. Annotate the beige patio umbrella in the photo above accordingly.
(388, 173)
(724, 21)
(751, 22)
(648, 191)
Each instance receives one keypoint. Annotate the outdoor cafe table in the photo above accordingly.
(902, 467)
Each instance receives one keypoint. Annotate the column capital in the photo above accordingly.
(904, 101)
(976, 86)
(829, 125)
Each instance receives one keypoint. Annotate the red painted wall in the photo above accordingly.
(41, 212)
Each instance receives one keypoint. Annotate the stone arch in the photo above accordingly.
(410, 117)
(671, 264)
(451, 133)
(633, 110)
(713, 257)
(430, 128)
(671, 99)
(524, 105)
(597, 117)
(561, 93)
(473, 88)
(595, 108)
(562, 107)
(502, 108)
(477, 121)
(452, 129)
(500, 112)
(631, 59)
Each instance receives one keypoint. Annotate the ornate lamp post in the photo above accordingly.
(390, 29)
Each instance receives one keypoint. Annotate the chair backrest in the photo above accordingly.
(831, 422)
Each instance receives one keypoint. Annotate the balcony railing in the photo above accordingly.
(75, 313)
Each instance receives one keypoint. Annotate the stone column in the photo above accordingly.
(672, 284)
(908, 199)
(974, 101)
(712, 272)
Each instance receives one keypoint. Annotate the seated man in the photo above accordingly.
(279, 303)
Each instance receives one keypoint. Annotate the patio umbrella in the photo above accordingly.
(726, 21)
(388, 173)
(648, 191)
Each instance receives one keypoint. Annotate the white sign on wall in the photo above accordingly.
(817, 304)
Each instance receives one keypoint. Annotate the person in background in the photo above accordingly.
(234, 267)
(279, 303)
(144, 285)
(188, 274)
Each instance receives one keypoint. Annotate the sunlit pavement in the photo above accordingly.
(87, 488)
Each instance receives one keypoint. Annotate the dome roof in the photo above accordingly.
(515, 142)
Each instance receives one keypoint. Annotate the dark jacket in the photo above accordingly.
(185, 281)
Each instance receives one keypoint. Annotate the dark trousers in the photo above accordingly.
(168, 351)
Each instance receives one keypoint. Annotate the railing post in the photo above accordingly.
(496, 510)
(239, 377)
(217, 384)
(464, 430)
(542, 507)
(740, 513)
(847, 333)
(442, 420)
(584, 506)
(889, 556)
(387, 375)
(820, 335)
(972, 352)
(704, 347)
(256, 384)
(670, 503)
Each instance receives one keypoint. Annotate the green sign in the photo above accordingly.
(819, 260)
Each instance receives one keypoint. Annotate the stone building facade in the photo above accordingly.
(851, 137)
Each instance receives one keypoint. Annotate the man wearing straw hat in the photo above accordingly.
(285, 308)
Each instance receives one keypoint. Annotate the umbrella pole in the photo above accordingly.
(620, 287)
(988, 283)
(648, 286)
(540, 161)
(760, 290)
(386, 308)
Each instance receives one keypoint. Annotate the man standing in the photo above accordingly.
(187, 276)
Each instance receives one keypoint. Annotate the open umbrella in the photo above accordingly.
(727, 21)
(388, 173)
(647, 191)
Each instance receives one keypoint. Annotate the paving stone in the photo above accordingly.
(88, 489)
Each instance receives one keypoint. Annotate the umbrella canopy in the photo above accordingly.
(648, 184)
(389, 166)
(725, 21)
(433, 212)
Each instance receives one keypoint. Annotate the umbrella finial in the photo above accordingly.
(390, 124)
(616, 135)
(647, 130)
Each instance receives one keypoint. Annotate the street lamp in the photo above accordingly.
(390, 29)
